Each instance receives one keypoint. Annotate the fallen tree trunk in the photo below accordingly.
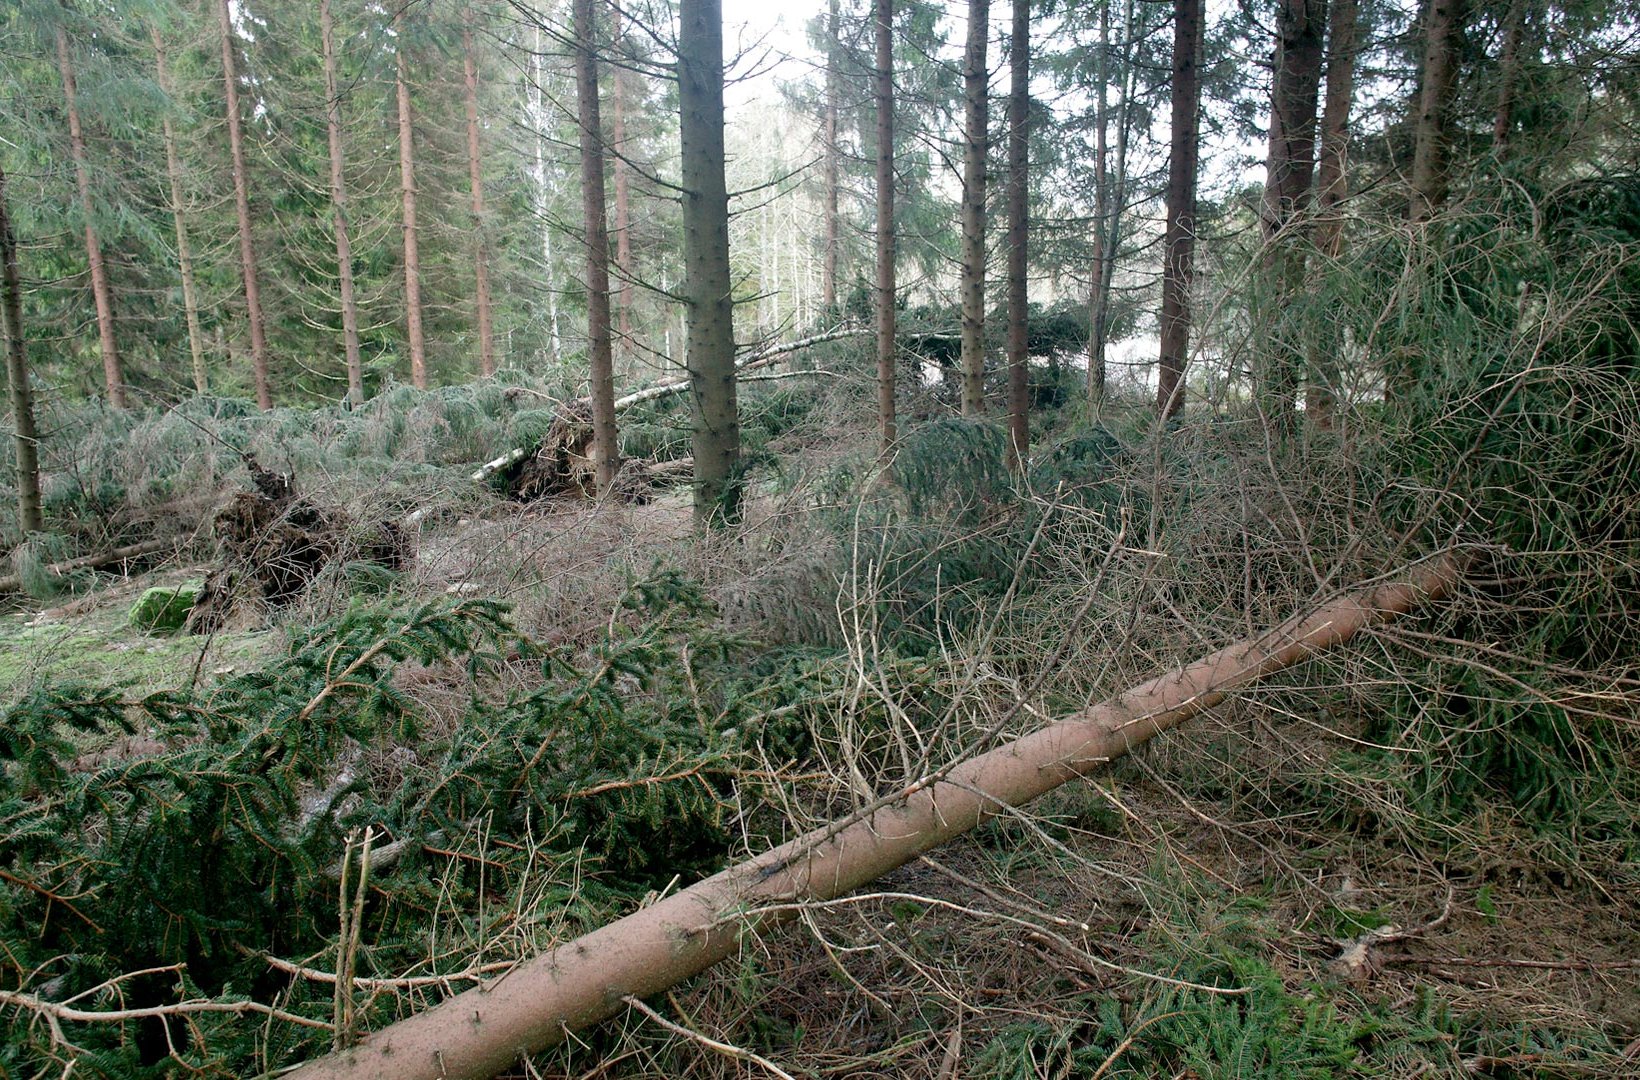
(479, 1033)
(14, 583)
(756, 360)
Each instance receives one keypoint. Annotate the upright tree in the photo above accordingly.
(338, 208)
(1503, 120)
(1179, 233)
(831, 152)
(101, 293)
(706, 284)
(623, 189)
(1019, 194)
(475, 174)
(976, 77)
(605, 451)
(1443, 22)
(25, 435)
(1332, 185)
(407, 200)
(1110, 189)
(185, 259)
(883, 13)
(242, 204)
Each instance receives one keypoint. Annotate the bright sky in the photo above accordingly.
(782, 26)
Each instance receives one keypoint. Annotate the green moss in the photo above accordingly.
(164, 611)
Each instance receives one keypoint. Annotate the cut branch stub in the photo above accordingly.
(479, 1033)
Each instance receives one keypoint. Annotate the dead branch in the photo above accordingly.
(14, 582)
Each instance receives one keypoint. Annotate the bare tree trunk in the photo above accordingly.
(1332, 184)
(706, 286)
(1443, 28)
(886, 289)
(1101, 211)
(623, 198)
(113, 380)
(536, 99)
(407, 192)
(606, 453)
(1114, 193)
(1288, 177)
(1019, 194)
(25, 435)
(481, 1032)
(1179, 235)
(1508, 75)
(338, 209)
(475, 175)
(242, 202)
(834, 79)
(976, 80)
(185, 259)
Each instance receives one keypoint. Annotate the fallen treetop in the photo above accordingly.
(14, 582)
(752, 361)
(481, 1032)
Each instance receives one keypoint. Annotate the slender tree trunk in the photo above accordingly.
(1019, 193)
(113, 379)
(1101, 212)
(242, 202)
(185, 259)
(706, 287)
(623, 198)
(606, 454)
(834, 81)
(338, 209)
(538, 121)
(475, 175)
(1179, 234)
(407, 193)
(886, 289)
(30, 516)
(1443, 28)
(1508, 75)
(1115, 195)
(976, 80)
(1289, 173)
(1332, 184)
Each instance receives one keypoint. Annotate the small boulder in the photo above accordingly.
(164, 611)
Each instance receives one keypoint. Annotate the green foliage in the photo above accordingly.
(162, 610)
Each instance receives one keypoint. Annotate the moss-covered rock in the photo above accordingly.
(164, 611)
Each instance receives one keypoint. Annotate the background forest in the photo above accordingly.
(507, 503)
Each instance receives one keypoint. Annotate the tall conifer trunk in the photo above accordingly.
(407, 195)
(25, 435)
(1112, 202)
(1332, 185)
(1019, 193)
(623, 195)
(185, 259)
(976, 77)
(1179, 234)
(605, 451)
(475, 176)
(338, 209)
(102, 296)
(886, 288)
(1508, 75)
(1443, 28)
(834, 80)
(242, 203)
(706, 285)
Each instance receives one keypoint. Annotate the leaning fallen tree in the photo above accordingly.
(481, 1032)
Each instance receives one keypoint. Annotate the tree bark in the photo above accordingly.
(976, 79)
(623, 197)
(25, 435)
(706, 287)
(102, 296)
(479, 1033)
(834, 80)
(185, 260)
(1332, 184)
(407, 194)
(475, 175)
(338, 209)
(1179, 234)
(1508, 75)
(1443, 28)
(886, 289)
(1113, 196)
(1019, 193)
(242, 203)
(606, 454)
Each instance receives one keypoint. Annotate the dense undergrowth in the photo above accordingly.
(1470, 774)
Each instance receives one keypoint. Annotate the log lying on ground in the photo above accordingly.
(14, 583)
(581, 406)
(479, 1033)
